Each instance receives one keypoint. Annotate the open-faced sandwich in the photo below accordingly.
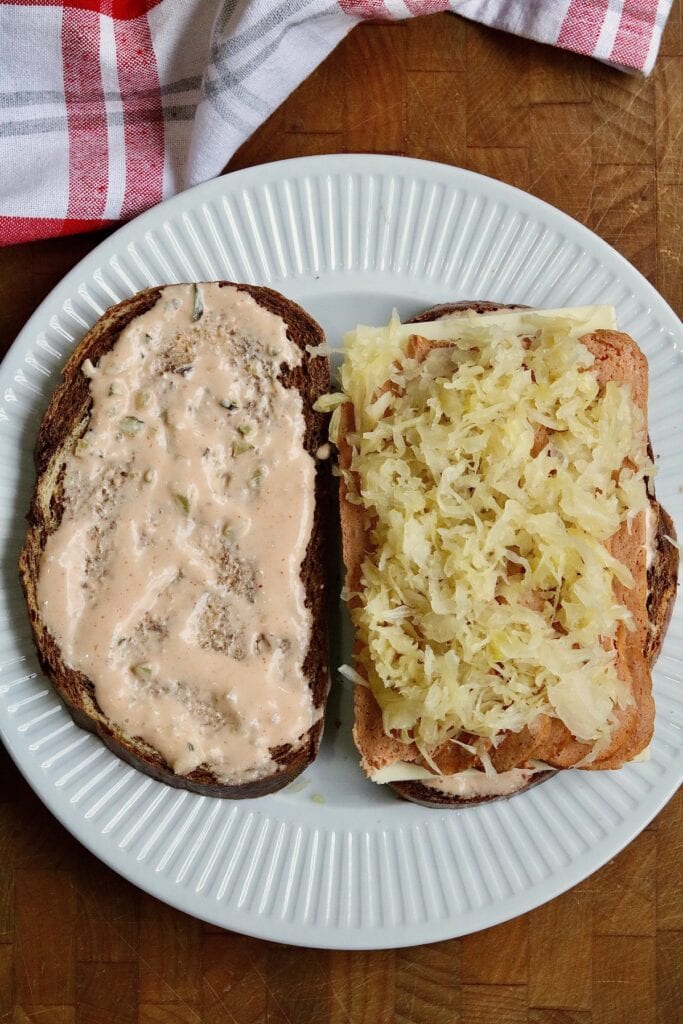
(510, 574)
(174, 563)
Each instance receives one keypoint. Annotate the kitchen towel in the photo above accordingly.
(109, 106)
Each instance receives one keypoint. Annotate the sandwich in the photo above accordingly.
(509, 572)
(174, 560)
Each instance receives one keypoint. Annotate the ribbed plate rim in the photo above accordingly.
(144, 875)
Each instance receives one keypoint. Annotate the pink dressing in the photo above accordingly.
(173, 581)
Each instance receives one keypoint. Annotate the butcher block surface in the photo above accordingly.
(78, 944)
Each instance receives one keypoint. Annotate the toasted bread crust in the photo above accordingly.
(416, 793)
(551, 741)
(66, 419)
(662, 581)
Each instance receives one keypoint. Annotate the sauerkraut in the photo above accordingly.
(487, 589)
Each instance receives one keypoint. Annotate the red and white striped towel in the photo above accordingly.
(109, 106)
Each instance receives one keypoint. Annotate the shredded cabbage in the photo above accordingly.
(328, 402)
(348, 672)
(487, 591)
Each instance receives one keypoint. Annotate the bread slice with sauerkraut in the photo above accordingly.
(510, 574)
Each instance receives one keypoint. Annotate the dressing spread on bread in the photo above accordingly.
(470, 784)
(492, 470)
(173, 580)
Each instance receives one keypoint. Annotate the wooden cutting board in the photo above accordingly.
(78, 945)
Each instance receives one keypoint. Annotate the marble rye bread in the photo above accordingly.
(65, 421)
(549, 741)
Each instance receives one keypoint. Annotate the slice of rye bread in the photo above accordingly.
(548, 740)
(65, 420)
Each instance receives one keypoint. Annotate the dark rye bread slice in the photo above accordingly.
(662, 578)
(65, 420)
(536, 743)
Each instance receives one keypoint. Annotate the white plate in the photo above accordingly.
(333, 860)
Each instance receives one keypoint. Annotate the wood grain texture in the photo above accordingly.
(78, 945)
(560, 952)
(497, 956)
